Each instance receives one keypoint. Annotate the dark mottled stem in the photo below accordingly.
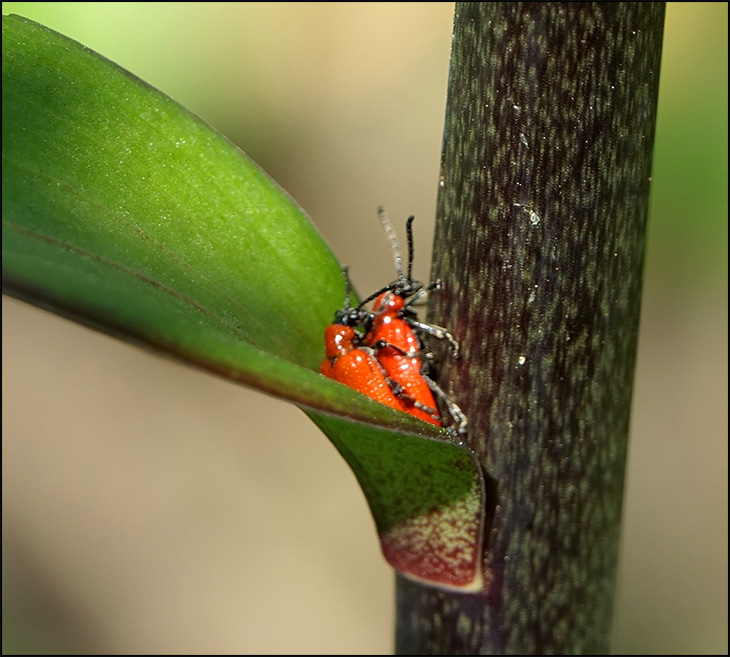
(540, 240)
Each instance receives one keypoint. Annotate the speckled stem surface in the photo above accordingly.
(540, 236)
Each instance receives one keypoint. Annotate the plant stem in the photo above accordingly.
(540, 239)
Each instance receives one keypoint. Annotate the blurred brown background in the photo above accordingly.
(148, 507)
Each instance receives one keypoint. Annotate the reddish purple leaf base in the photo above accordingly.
(439, 547)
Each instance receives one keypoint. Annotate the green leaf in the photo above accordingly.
(426, 497)
(125, 212)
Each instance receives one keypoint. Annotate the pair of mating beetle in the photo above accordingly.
(378, 351)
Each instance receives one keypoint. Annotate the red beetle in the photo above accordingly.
(352, 364)
(397, 347)
(401, 354)
(386, 360)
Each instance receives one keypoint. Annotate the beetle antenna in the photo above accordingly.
(409, 232)
(348, 287)
(393, 239)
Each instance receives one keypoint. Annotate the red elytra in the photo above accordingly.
(385, 362)
(351, 363)
(356, 367)
(391, 333)
(399, 352)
